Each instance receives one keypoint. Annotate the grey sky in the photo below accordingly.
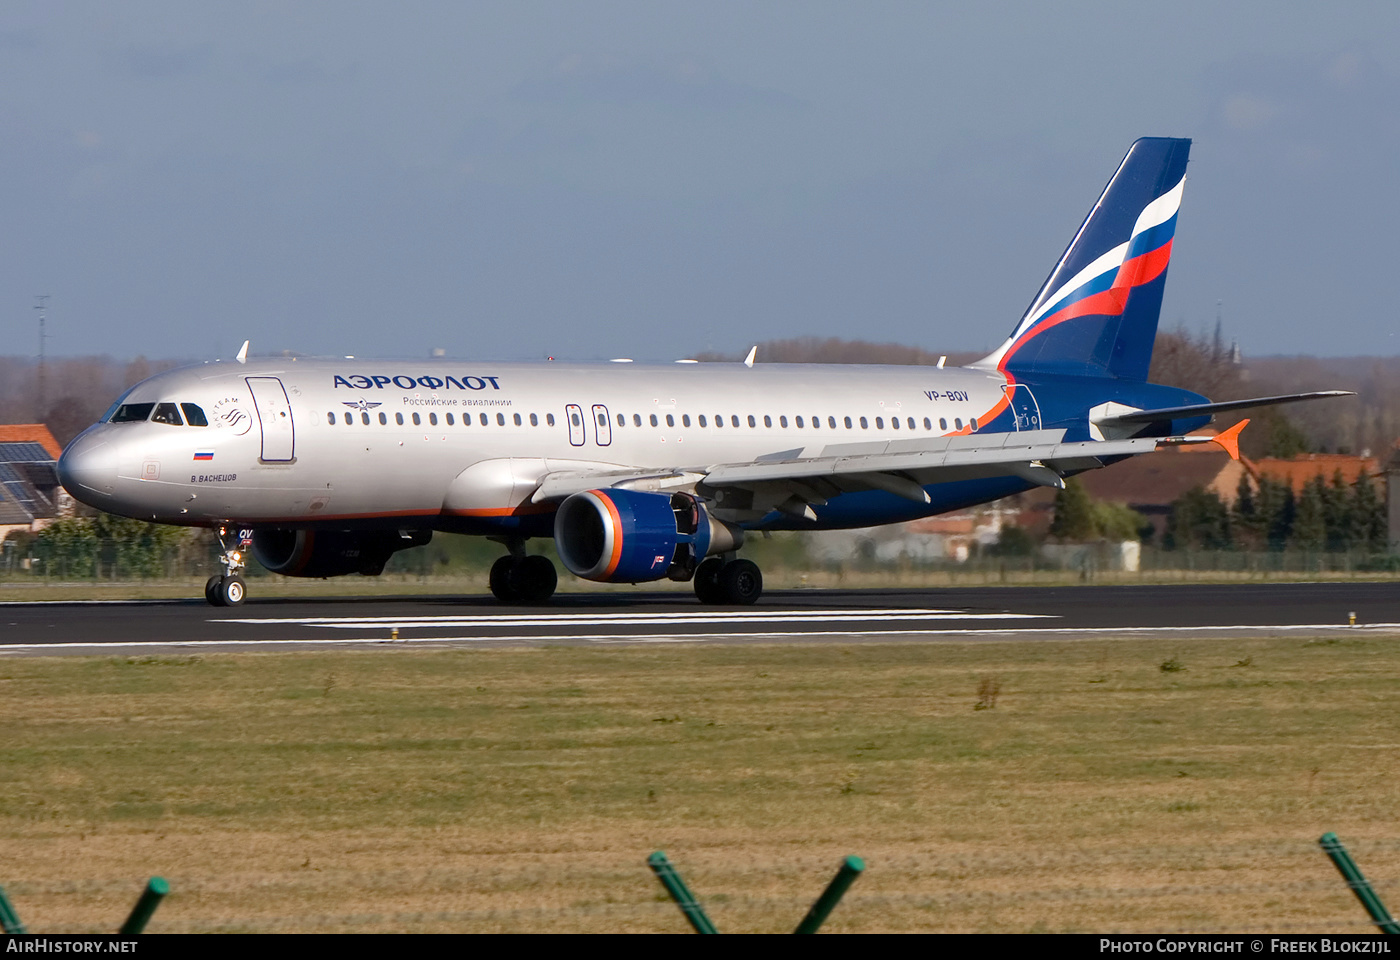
(586, 180)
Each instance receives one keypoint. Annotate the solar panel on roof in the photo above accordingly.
(19, 491)
(23, 452)
(8, 472)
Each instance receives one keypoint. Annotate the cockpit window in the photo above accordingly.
(115, 406)
(194, 415)
(167, 413)
(131, 412)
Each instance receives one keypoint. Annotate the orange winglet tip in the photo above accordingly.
(1230, 439)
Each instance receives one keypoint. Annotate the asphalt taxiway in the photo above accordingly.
(798, 616)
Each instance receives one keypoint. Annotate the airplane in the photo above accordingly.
(327, 467)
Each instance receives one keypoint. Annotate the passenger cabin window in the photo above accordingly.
(398, 418)
(879, 423)
(432, 419)
(519, 424)
(831, 422)
(943, 423)
(384, 421)
(782, 421)
(364, 418)
(734, 419)
(752, 422)
(798, 421)
(450, 421)
(636, 419)
(911, 423)
(894, 422)
(483, 420)
(132, 412)
(767, 420)
(534, 419)
(653, 420)
(972, 423)
(670, 420)
(330, 418)
(957, 423)
(685, 419)
(621, 420)
(848, 423)
(500, 419)
(348, 421)
(194, 415)
(864, 424)
(702, 420)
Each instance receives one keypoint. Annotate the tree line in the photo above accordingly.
(1331, 516)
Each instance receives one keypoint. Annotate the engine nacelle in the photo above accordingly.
(625, 536)
(332, 553)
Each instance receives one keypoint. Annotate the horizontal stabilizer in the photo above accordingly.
(1210, 409)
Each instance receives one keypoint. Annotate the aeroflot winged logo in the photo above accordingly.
(361, 405)
(359, 381)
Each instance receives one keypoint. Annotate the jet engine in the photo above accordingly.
(332, 553)
(626, 536)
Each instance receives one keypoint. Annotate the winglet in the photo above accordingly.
(242, 353)
(753, 354)
(1230, 439)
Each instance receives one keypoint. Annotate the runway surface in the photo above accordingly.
(799, 616)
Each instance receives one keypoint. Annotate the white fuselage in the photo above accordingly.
(357, 441)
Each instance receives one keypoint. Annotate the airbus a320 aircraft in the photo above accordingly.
(328, 467)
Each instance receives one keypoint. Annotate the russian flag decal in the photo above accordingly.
(204, 455)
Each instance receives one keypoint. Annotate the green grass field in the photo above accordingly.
(1101, 786)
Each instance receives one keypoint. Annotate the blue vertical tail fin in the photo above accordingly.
(1096, 314)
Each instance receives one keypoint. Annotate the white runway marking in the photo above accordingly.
(736, 617)
(1047, 633)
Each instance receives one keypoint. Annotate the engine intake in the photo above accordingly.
(331, 553)
(625, 536)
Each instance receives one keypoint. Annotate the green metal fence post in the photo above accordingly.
(9, 920)
(680, 893)
(1358, 883)
(156, 889)
(851, 869)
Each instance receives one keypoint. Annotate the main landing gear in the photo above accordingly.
(521, 579)
(730, 582)
(227, 590)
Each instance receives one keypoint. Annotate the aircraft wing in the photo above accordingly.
(791, 481)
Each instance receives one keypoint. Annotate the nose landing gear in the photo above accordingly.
(229, 589)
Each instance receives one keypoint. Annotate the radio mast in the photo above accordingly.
(43, 315)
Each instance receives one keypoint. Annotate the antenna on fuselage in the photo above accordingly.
(242, 356)
(753, 353)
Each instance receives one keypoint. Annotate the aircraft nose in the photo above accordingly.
(88, 470)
